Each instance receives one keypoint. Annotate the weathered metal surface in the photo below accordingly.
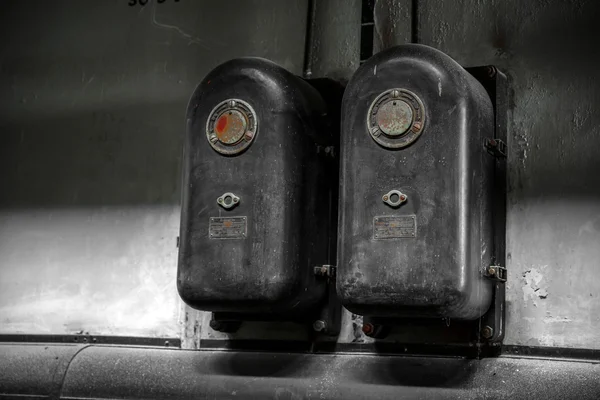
(285, 185)
(230, 127)
(334, 47)
(35, 370)
(227, 227)
(93, 339)
(396, 117)
(121, 372)
(228, 200)
(95, 103)
(394, 198)
(394, 227)
(393, 23)
(445, 174)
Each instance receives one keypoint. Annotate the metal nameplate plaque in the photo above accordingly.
(394, 227)
(227, 228)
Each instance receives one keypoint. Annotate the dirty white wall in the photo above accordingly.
(549, 51)
(93, 97)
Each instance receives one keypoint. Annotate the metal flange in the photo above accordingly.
(396, 118)
(231, 127)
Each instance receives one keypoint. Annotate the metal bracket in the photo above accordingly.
(228, 200)
(330, 318)
(387, 198)
(326, 271)
(496, 273)
(496, 147)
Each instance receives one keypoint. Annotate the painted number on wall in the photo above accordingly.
(142, 3)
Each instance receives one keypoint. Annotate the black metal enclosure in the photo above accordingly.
(416, 232)
(255, 217)
(442, 214)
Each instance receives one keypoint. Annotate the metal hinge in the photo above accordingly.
(496, 273)
(495, 147)
(326, 271)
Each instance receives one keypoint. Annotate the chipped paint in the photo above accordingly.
(532, 288)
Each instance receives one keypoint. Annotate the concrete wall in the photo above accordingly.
(550, 52)
(548, 49)
(93, 97)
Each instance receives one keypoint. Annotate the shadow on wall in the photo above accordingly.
(94, 94)
(549, 51)
(102, 157)
(441, 373)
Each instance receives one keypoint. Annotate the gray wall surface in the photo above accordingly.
(93, 97)
(550, 52)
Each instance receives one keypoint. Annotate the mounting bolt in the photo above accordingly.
(487, 332)
(319, 325)
(216, 325)
(248, 135)
(368, 329)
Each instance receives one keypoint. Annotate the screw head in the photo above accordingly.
(319, 325)
(385, 198)
(248, 135)
(403, 197)
(487, 332)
